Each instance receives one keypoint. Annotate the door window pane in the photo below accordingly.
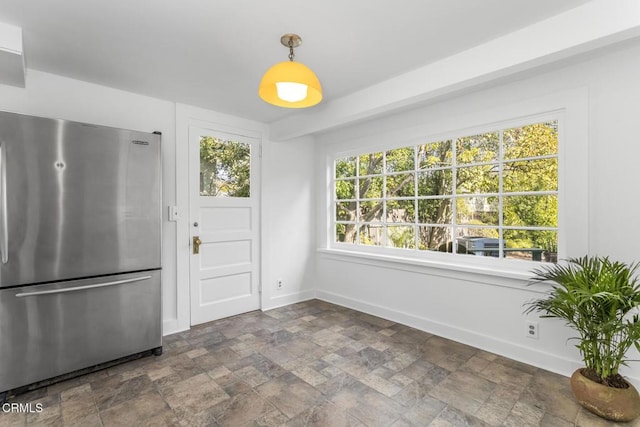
(225, 168)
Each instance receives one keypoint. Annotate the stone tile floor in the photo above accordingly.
(310, 364)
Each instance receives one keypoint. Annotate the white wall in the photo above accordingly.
(288, 222)
(58, 97)
(482, 310)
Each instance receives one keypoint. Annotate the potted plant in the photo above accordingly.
(599, 299)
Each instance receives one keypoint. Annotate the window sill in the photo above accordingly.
(488, 275)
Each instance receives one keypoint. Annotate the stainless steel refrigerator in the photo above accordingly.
(80, 243)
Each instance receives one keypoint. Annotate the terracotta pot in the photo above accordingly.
(615, 404)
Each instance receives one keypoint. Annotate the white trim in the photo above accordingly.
(569, 107)
(170, 326)
(490, 120)
(288, 299)
(449, 268)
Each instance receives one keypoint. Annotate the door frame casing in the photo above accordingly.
(188, 116)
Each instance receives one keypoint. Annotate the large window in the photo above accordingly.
(492, 194)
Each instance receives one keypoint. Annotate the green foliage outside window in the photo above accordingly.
(225, 168)
(501, 184)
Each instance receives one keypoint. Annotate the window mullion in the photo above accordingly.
(357, 195)
(416, 229)
(501, 195)
(383, 220)
(454, 199)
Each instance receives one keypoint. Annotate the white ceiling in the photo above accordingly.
(213, 53)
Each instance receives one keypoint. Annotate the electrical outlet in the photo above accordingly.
(531, 329)
(279, 284)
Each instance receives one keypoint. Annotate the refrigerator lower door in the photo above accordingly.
(54, 329)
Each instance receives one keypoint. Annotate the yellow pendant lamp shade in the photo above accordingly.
(276, 87)
(290, 84)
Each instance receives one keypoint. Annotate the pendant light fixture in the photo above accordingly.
(290, 84)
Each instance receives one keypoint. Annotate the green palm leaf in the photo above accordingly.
(594, 296)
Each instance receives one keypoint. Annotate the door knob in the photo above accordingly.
(196, 244)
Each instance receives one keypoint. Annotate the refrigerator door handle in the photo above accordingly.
(4, 229)
(79, 288)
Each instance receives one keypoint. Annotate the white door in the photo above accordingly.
(224, 208)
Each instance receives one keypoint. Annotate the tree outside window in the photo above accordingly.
(491, 194)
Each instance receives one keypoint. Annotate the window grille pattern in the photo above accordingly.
(493, 194)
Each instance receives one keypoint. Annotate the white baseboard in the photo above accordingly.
(283, 300)
(547, 361)
(171, 326)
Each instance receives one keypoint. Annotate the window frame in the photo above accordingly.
(569, 108)
(417, 170)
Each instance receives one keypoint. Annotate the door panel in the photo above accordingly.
(225, 288)
(220, 254)
(217, 219)
(224, 209)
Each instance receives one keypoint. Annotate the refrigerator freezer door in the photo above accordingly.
(51, 330)
(81, 200)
